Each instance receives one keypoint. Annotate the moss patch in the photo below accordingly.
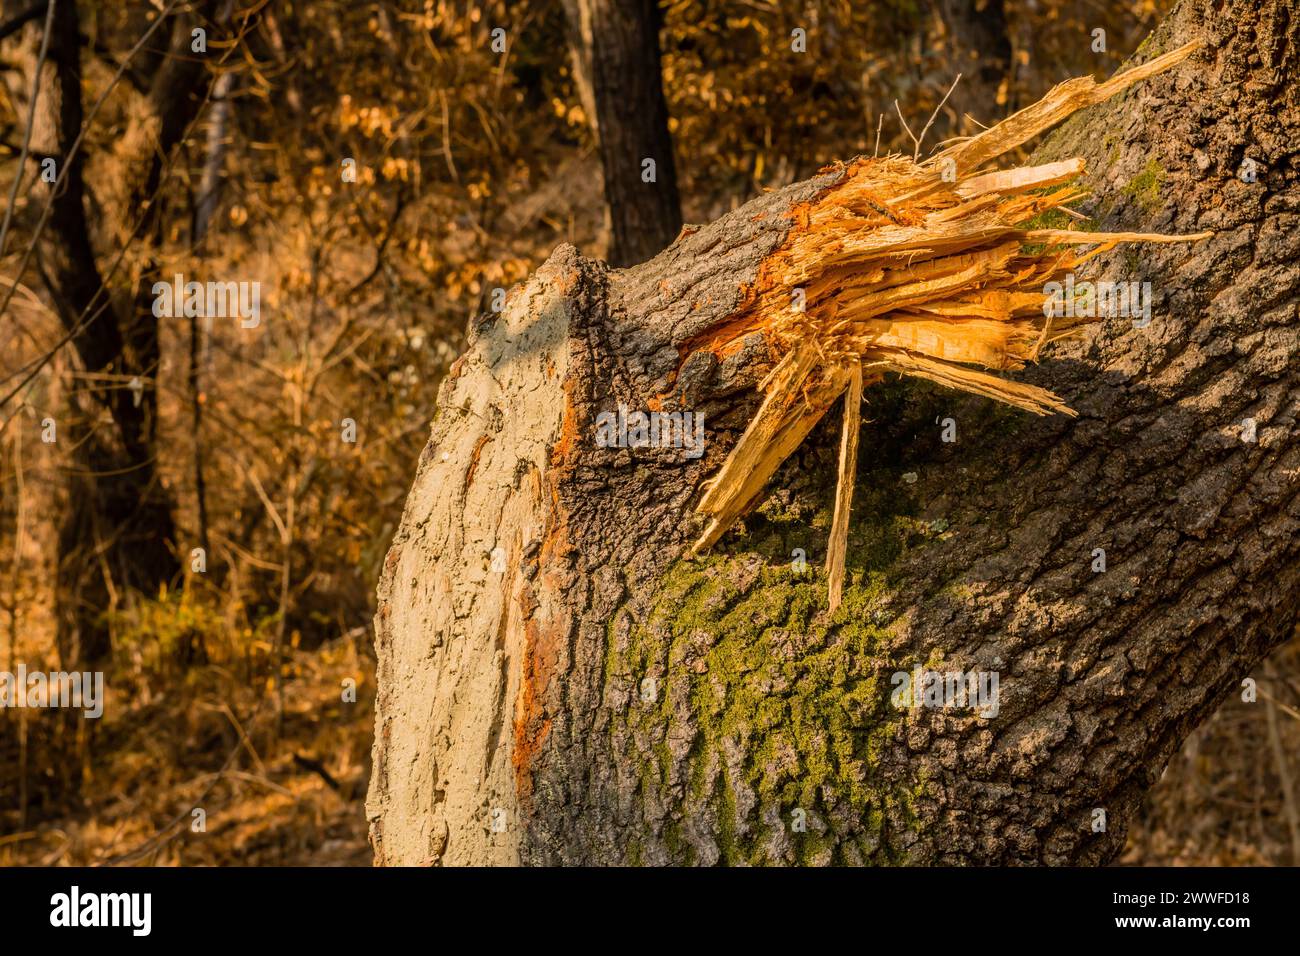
(1147, 185)
(1054, 219)
(769, 712)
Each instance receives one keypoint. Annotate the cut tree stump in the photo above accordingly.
(561, 681)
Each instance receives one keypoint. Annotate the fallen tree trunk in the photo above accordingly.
(560, 681)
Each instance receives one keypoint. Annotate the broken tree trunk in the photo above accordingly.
(561, 681)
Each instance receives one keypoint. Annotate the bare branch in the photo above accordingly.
(25, 16)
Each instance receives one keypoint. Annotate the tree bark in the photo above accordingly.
(559, 683)
(615, 52)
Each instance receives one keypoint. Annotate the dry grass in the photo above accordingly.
(123, 792)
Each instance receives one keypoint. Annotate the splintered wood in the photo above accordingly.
(922, 269)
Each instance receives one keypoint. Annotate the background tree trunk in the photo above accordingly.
(557, 684)
(118, 532)
(578, 26)
(615, 53)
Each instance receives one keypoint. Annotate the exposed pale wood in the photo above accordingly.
(905, 271)
(782, 388)
(1081, 237)
(1008, 181)
(790, 411)
(1029, 397)
(839, 542)
(1060, 102)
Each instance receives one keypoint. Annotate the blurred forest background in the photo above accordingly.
(244, 686)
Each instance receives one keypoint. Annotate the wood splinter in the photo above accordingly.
(923, 269)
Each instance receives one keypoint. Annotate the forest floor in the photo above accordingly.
(1229, 797)
(299, 799)
(294, 798)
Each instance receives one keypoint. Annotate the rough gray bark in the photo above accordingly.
(513, 719)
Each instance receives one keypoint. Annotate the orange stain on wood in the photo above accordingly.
(532, 725)
(544, 637)
(567, 443)
(543, 640)
(473, 458)
(457, 367)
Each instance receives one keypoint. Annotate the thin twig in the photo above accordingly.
(917, 155)
(907, 129)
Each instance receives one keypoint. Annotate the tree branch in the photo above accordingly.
(23, 17)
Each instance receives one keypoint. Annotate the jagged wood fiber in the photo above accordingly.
(912, 268)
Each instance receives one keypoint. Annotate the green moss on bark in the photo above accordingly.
(1147, 185)
(767, 704)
